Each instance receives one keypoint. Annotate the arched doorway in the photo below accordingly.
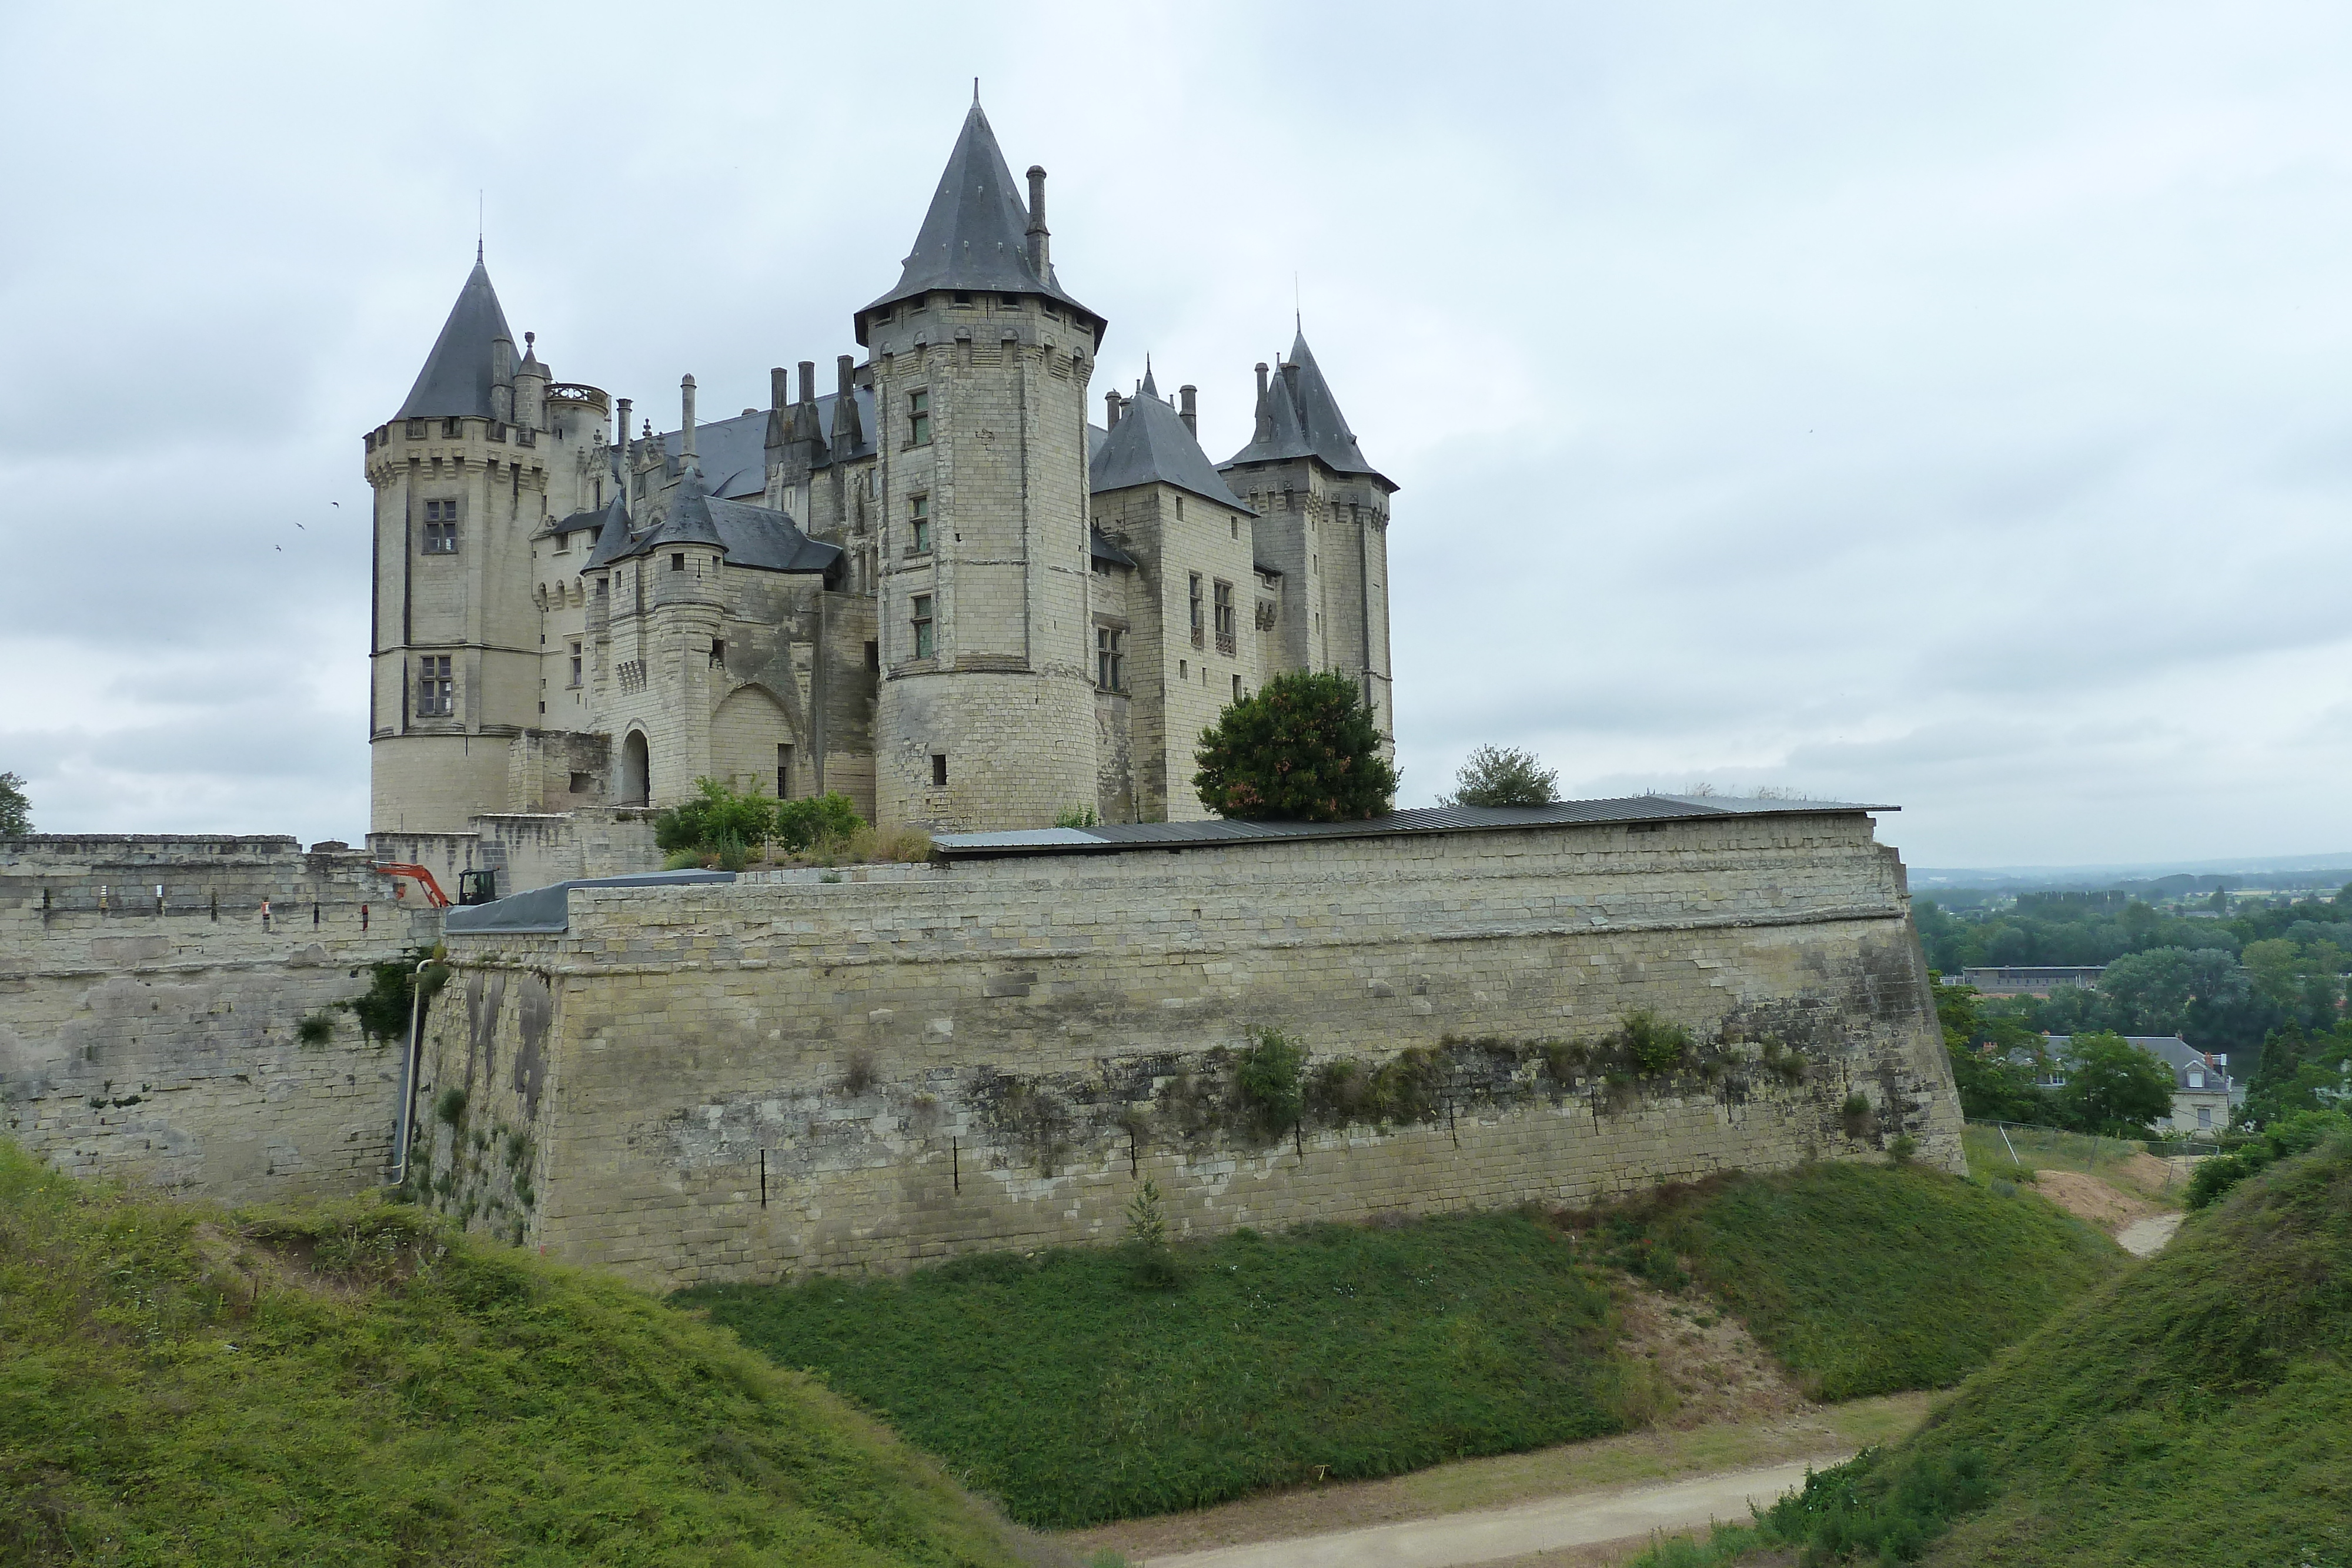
(636, 771)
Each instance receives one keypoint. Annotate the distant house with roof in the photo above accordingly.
(2032, 979)
(2203, 1094)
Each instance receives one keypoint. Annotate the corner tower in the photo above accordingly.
(980, 364)
(464, 476)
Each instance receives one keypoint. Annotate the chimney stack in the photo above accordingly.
(1190, 410)
(1264, 409)
(1040, 237)
(622, 406)
(1110, 408)
(502, 370)
(808, 382)
(685, 454)
(846, 435)
(780, 387)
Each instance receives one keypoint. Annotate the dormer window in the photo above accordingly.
(440, 528)
(449, 430)
(918, 419)
(963, 298)
(1012, 302)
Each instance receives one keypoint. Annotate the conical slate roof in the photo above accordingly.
(455, 380)
(976, 236)
(612, 533)
(689, 522)
(1151, 445)
(1300, 418)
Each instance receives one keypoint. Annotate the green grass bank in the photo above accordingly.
(352, 1384)
(1057, 1385)
(2196, 1412)
(1864, 1279)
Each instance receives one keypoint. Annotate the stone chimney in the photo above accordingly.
(1265, 408)
(808, 382)
(622, 424)
(846, 435)
(502, 370)
(1189, 408)
(1110, 408)
(685, 454)
(1040, 237)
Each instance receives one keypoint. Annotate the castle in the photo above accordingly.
(936, 588)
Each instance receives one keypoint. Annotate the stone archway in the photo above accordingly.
(636, 771)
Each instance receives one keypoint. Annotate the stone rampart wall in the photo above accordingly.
(715, 1081)
(152, 1037)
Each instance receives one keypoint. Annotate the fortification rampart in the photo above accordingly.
(740, 1081)
(149, 1009)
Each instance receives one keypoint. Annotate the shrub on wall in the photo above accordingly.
(722, 822)
(1270, 1076)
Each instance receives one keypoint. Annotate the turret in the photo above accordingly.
(979, 362)
(531, 381)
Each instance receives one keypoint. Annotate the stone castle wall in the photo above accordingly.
(742, 1082)
(151, 1037)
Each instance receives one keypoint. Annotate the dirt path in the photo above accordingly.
(1490, 1535)
(2142, 1237)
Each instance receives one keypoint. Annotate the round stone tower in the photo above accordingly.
(980, 364)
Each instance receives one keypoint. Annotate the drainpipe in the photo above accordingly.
(408, 1071)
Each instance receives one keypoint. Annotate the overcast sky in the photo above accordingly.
(1943, 406)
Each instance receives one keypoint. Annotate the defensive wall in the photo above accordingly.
(529, 849)
(151, 989)
(866, 1069)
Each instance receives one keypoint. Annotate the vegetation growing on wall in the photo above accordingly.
(384, 1008)
(354, 1384)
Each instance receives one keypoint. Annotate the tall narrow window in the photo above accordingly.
(718, 654)
(436, 690)
(1197, 612)
(919, 522)
(1237, 688)
(1226, 639)
(918, 419)
(1109, 655)
(873, 655)
(939, 769)
(922, 618)
(575, 664)
(440, 528)
(783, 772)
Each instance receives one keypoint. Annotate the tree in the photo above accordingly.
(2113, 1087)
(1301, 749)
(1503, 776)
(1994, 1060)
(15, 810)
(2154, 988)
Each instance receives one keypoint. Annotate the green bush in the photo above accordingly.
(2283, 1139)
(315, 1028)
(1653, 1045)
(719, 821)
(1268, 1075)
(1303, 748)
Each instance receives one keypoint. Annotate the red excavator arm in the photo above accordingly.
(423, 878)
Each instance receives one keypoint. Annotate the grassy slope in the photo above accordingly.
(1056, 1384)
(2198, 1413)
(354, 1385)
(2194, 1413)
(1867, 1279)
(1352, 1352)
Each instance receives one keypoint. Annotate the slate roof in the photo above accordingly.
(1299, 417)
(1151, 445)
(1100, 546)
(1420, 819)
(976, 236)
(759, 538)
(733, 453)
(455, 380)
(611, 535)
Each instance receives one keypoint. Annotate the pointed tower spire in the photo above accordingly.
(1151, 388)
(459, 372)
(977, 236)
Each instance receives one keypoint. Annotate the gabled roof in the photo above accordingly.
(758, 538)
(612, 533)
(1151, 445)
(455, 380)
(1299, 417)
(976, 236)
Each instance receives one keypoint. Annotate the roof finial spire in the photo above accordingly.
(480, 206)
(975, 92)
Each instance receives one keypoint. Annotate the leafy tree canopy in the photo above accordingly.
(1302, 748)
(1503, 776)
(2113, 1087)
(15, 810)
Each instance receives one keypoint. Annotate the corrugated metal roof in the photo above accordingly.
(1420, 819)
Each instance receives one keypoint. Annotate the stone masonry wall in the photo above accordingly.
(154, 1039)
(742, 1081)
